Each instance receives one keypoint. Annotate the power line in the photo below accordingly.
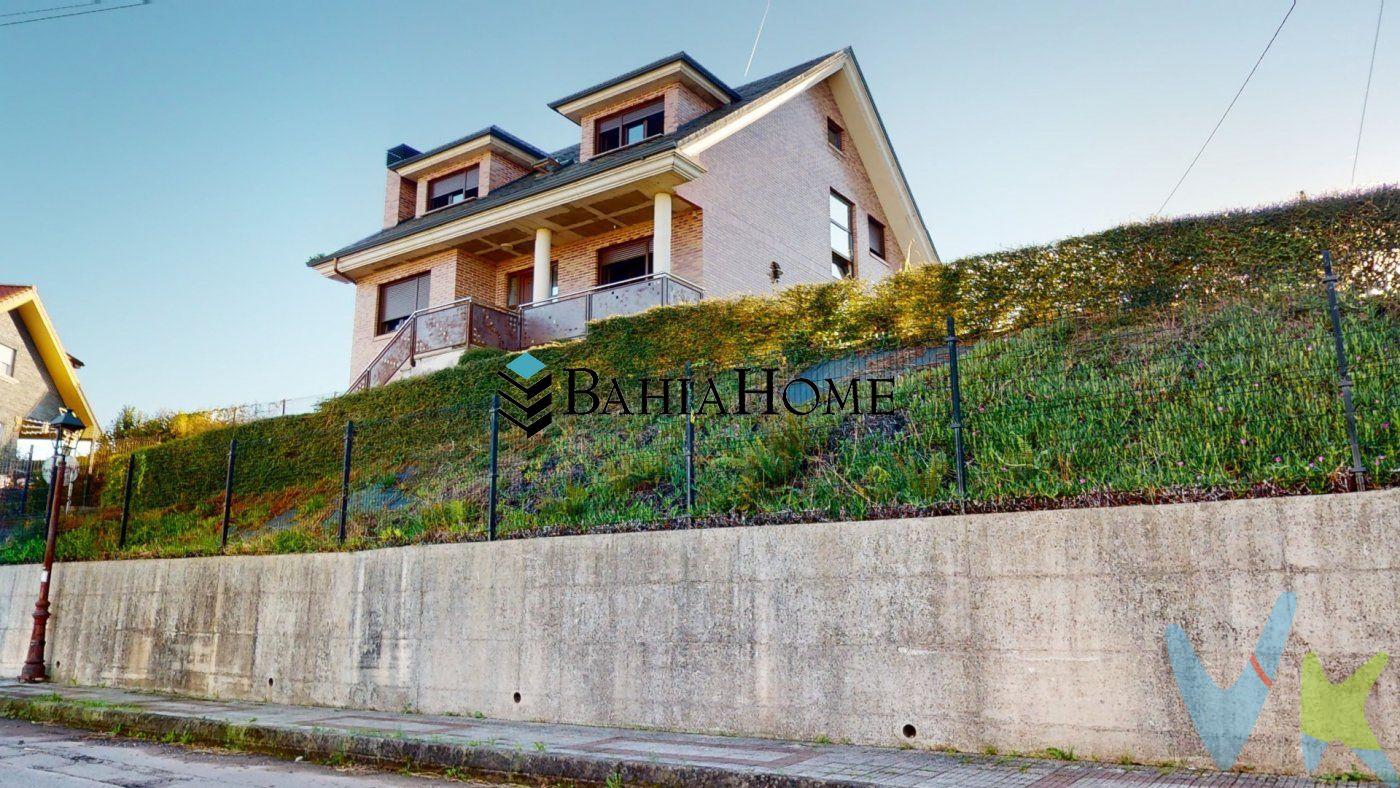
(761, 22)
(74, 13)
(1366, 97)
(51, 8)
(1218, 123)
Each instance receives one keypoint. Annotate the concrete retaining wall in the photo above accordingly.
(1017, 632)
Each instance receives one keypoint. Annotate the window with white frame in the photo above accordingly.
(7, 361)
(842, 239)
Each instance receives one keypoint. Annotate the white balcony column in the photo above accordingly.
(543, 237)
(661, 234)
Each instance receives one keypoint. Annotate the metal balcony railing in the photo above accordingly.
(462, 323)
(567, 316)
(468, 323)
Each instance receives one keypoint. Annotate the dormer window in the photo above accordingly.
(631, 126)
(451, 189)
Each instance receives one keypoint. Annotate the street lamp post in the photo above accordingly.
(67, 425)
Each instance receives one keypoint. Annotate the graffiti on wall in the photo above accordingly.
(1337, 713)
(1225, 717)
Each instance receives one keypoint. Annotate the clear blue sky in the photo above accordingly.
(168, 169)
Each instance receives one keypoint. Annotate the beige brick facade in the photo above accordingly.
(763, 199)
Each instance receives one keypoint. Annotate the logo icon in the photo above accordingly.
(533, 400)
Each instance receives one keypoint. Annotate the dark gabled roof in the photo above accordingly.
(637, 72)
(494, 131)
(570, 169)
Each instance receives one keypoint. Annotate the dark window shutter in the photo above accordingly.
(401, 299)
(637, 114)
(877, 236)
(452, 183)
(626, 251)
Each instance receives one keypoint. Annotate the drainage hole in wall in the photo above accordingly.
(516, 696)
(909, 732)
(269, 681)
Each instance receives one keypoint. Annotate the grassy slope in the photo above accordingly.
(1143, 401)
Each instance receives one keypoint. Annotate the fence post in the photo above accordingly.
(959, 457)
(126, 498)
(689, 443)
(345, 477)
(228, 489)
(495, 440)
(28, 476)
(1344, 383)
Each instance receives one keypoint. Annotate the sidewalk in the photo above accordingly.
(572, 753)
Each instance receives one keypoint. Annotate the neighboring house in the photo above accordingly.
(37, 376)
(681, 188)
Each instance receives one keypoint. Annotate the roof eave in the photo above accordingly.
(350, 260)
(527, 152)
(56, 359)
(909, 225)
(710, 83)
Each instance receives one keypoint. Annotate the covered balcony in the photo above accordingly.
(537, 270)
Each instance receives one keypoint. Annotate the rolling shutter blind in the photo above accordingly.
(466, 183)
(627, 251)
(451, 183)
(403, 298)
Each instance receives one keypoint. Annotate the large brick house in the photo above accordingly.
(680, 188)
(37, 376)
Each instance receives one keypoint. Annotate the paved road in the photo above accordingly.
(44, 756)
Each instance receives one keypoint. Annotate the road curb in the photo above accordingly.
(391, 752)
